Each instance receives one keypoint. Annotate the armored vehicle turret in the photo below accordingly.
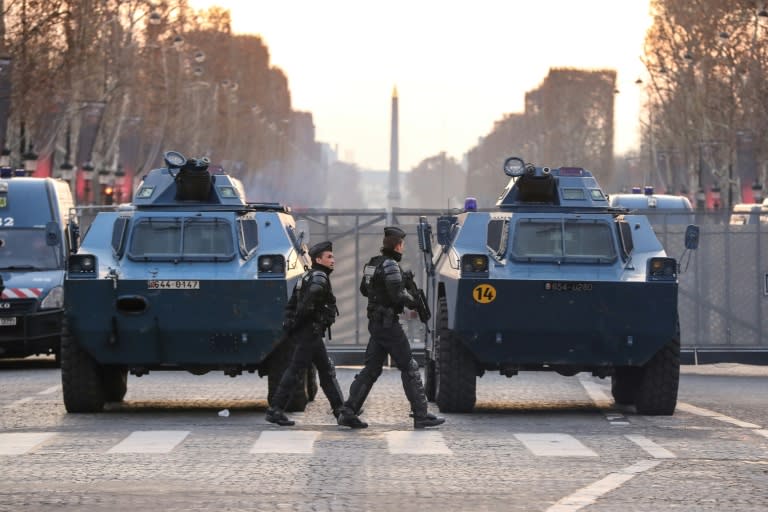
(552, 279)
(190, 276)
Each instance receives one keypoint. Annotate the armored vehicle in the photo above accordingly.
(190, 276)
(34, 215)
(552, 279)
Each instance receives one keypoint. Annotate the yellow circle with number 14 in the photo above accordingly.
(484, 293)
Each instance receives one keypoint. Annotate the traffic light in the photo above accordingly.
(109, 195)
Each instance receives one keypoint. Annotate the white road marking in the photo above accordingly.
(19, 402)
(150, 441)
(589, 494)
(416, 442)
(603, 401)
(51, 390)
(714, 415)
(554, 445)
(286, 441)
(18, 443)
(654, 450)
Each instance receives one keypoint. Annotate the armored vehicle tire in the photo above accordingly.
(429, 379)
(115, 383)
(659, 379)
(624, 384)
(81, 377)
(455, 378)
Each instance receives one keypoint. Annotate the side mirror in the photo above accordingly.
(73, 234)
(424, 231)
(444, 228)
(52, 236)
(692, 237)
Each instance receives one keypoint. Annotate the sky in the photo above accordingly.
(458, 66)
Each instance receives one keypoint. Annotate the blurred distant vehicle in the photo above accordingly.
(749, 214)
(660, 208)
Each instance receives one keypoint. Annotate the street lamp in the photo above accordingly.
(5, 157)
(701, 199)
(757, 192)
(66, 171)
(119, 182)
(30, 162)
(87, 169)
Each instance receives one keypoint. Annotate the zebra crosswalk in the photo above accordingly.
(304, 442)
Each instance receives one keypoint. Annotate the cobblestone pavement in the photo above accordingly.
(537, 442)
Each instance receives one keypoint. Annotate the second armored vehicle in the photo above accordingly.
(553, 279)
(188, 277)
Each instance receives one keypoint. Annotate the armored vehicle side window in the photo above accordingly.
(118, 235)
(625, 235)
(248, 236)
(576, 241)
(201, 239)
(498, 230)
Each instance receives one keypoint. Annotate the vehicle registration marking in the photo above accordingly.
(173, 285)
(567, 287)
(8, 321)
(484, 293)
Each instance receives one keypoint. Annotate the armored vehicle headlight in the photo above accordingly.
(474, 264)
(662, 269)
(54, 299)
(271, 264)
(82, 264)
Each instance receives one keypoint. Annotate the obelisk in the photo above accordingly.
(394, 183)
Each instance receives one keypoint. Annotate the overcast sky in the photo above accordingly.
(457, 66)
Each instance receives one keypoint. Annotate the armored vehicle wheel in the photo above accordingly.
(429, 379)
(115, 383)
(81, 377)
(659, 380)
(455, 379)
(624, 385)
(312, 383)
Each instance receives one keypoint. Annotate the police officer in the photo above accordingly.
(383, 284)
(309, 312)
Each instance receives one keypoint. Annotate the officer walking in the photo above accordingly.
(309, 312)
(383, 284)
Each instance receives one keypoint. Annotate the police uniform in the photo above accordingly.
(309, 312)
(383, 284)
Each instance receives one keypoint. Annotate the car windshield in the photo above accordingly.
(182, 238)
(569, 240)
(26, 249)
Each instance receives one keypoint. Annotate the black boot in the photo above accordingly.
(275, 415)
(428, 420)
(348, 418)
